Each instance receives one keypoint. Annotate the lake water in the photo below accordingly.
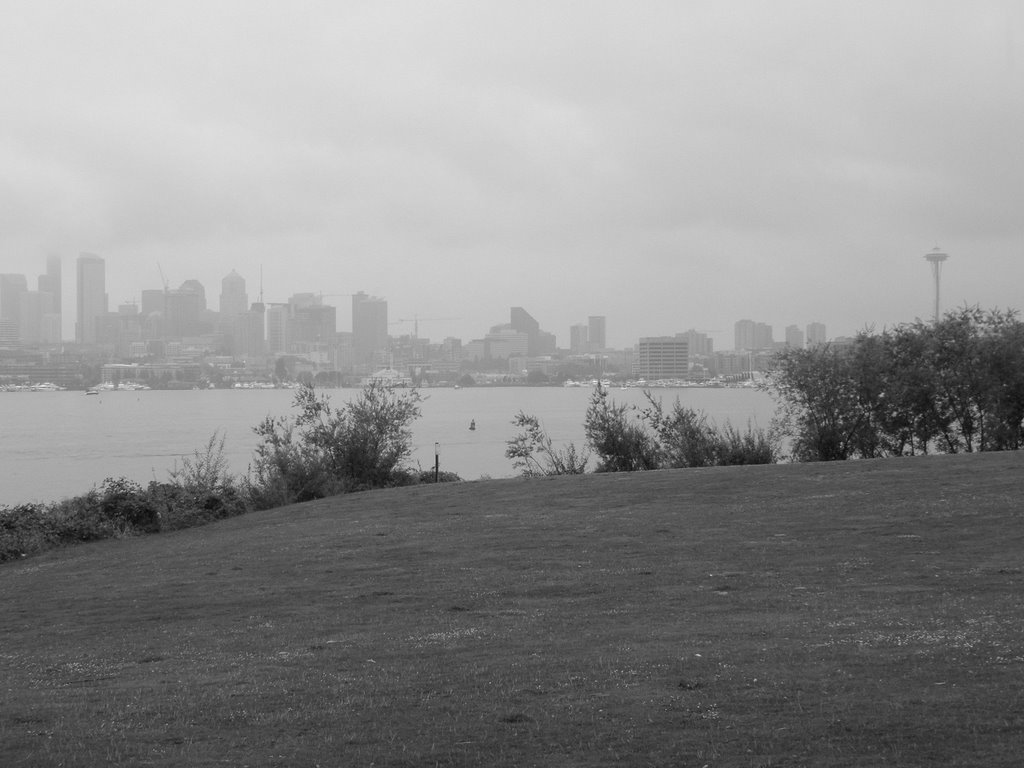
(59, 444)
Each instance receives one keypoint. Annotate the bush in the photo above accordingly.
(25, 530)
(324, 451)
(621, 444)
(755, 446)
(179, 508)
(687, 439)
(533, 453)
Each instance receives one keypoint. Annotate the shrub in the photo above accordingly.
(687, 439)
(755, 446)
(25, 530)
(206, 472)
(533, 453)
(200, 490)
(324, 451)
(621, 444)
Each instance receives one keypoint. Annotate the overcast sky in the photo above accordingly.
(669, 165)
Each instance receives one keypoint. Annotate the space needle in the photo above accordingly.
(935, 257)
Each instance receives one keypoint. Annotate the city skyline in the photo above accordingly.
(686, 165)
(370, 323)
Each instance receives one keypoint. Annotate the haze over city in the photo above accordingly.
(667, 165)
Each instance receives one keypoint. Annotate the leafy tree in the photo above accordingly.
(821, 406)
(956, 385)
(622, 444)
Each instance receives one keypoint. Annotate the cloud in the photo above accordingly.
(666, 164)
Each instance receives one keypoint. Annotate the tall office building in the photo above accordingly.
(277, 329)
(92, 297)
(12, 295)
(596, 333)
(743, 332)
(369, 327)
(51, 283)
(233, 298)
(195, 287)
(182, 308)
(815, 334)
(700, 344)
(249, 332)
(523, 322)
(36, 323)
(753, 337)
(794, 337)
(579, 339)
(312, 325)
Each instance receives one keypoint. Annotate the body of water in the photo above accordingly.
(59, 444)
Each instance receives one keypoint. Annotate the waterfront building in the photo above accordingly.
(662, 357)
(92, 297)
(503, 343)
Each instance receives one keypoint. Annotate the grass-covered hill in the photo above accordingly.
(857, 613)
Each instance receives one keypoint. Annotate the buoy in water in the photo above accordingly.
(472, 424)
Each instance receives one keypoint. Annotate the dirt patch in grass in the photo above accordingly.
(861, 613)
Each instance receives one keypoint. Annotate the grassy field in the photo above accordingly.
(859, 613)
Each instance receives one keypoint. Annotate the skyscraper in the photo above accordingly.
(233, 298)
(578, 339)
(277, 329)
(744, 335)
(595, 333)
(51, 283)
(369, 327)
(92, 297)
(12, 295)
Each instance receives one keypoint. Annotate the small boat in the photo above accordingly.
(92, 391)
(472, 424)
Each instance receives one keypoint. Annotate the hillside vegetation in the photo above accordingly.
(829, 614)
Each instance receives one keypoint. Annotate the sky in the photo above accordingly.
(669, 165)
